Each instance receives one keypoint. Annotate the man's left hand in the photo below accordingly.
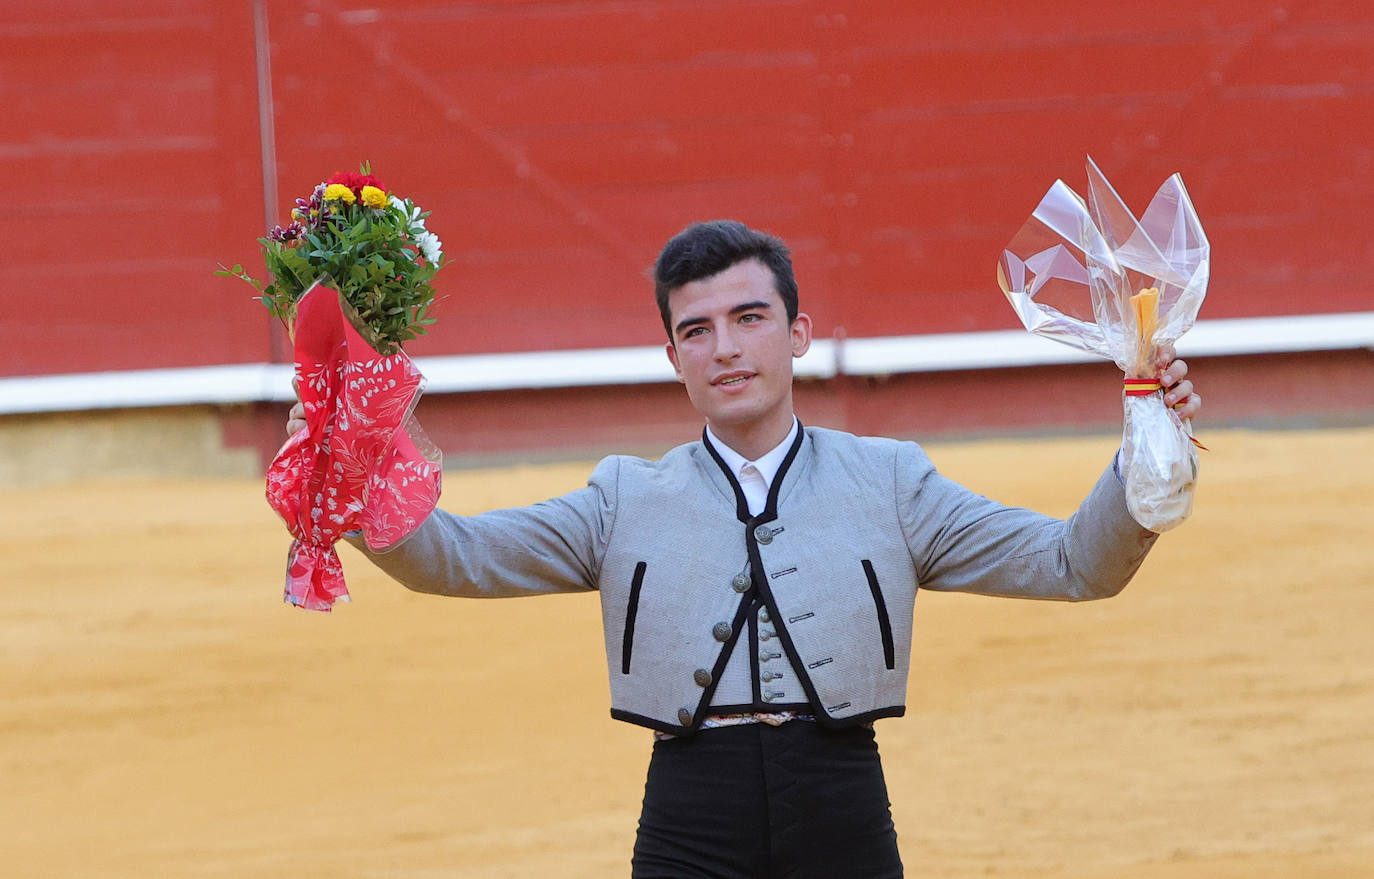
(1178, 390)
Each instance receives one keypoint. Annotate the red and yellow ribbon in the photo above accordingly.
(1141, 387)
(1144, 387)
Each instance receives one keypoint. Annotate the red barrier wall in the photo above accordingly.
(131, 165)
(896, 145)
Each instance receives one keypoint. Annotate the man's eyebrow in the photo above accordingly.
(751, 306)
(755, 305)
(688, 322)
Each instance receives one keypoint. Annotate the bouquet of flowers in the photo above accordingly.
(1089, 274)
(351, 279)
(372, 246)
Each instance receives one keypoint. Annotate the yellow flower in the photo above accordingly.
(374, 197)
(339, 192)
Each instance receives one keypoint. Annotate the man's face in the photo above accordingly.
(733, 348)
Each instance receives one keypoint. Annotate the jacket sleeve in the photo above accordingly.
(964, 542)
(548, 547)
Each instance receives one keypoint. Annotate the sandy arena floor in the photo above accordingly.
(165, 715)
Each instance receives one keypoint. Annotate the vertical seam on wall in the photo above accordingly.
(267, 135)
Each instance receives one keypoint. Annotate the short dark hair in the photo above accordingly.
(705, 249)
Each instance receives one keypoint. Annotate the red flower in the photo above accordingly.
(356, 182)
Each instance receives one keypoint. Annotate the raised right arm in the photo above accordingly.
(553, 546)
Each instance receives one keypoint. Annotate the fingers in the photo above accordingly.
(1165, 355)
(1174, 372)
(1178, 390)
(1179, 395)
(1189, 406)
(295, 419)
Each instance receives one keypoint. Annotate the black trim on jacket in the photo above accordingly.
(762, 594)
(631, 609)
(741, 505)
(770, 508)
(884, 623)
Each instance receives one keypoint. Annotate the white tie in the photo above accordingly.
(754, 488)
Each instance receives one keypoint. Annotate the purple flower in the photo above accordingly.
(289, 233)
(312, 211)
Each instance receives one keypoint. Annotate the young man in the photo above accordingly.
(757, 586)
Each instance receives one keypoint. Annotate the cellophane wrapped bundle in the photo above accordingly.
(1089, 274)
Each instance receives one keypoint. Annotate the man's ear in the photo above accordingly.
(672, 358)
(801, 334)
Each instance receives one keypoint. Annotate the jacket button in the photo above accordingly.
(764, 617)
(702, 677)
(684, 716)
(722, 632)
(765, 635)
(768, 676)
(763, 534)
(741, 583)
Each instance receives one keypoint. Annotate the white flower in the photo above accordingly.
(430, 246)
(415, 224)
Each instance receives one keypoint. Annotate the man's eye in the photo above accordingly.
(694, 331)
(750, 318)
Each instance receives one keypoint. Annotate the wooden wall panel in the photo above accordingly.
(132, 165)
(896, 145)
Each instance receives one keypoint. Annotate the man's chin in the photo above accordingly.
(734, 413)
(741, 419)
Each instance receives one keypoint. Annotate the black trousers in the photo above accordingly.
(763, 802)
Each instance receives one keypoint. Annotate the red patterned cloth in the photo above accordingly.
(360, 463)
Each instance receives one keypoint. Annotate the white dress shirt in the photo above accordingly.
(755, 477)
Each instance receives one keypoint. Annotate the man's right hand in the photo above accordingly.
(295, 419)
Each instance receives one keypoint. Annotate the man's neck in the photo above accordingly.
(753, 441)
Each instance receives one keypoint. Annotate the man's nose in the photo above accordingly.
(727, 346)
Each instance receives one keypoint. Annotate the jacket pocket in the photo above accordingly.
(632, 608)
(884, 623)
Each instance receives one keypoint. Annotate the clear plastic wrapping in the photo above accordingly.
(1089, 274)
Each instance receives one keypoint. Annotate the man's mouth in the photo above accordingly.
(733, 380)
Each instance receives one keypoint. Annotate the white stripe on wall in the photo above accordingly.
(890, 355)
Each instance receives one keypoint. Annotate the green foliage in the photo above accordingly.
(370, 255)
